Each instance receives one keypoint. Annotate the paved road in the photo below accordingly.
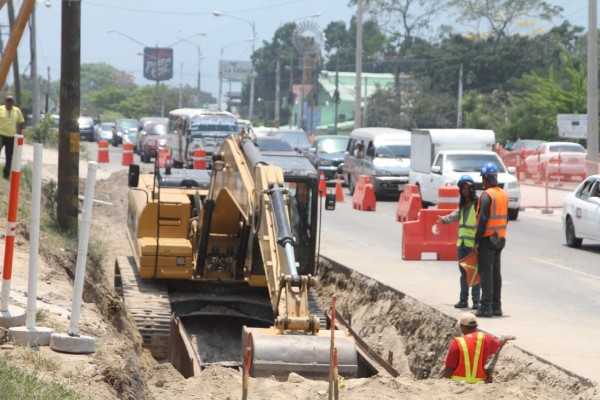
(550, 293)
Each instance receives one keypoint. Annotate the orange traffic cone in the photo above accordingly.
(339, 192)
(322, 185)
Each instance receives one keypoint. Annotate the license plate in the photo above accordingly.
(400, 188)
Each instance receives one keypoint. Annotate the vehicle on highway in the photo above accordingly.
(296, 138)
(86, 128)
(155, 136)
(195, 128)
(131, 137)
(142, 129)
(264, 130)
(381, 153)
(557, 159)
(515, 156)
(122, 128)
(105, 131)
(327, 154)
(269, 144)
(581, 212)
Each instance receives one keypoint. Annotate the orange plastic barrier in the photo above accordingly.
(200, 159)
(449, 197)
(339, 191)
(364, 195)
(163, 153)
(426, 235)
(409, 204)
(322, 185)
(103, 151)
(127, 154)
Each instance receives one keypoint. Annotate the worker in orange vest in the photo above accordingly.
(490, 238)
(469, 353)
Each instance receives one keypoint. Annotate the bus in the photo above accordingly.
(194, 128)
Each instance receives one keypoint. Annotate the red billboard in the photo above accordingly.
(158, 63)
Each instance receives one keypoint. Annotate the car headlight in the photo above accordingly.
(513, 185)
(325, 163)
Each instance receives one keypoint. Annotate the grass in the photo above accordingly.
(16, 384)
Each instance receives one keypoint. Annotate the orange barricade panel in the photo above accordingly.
(199, 159)
(409, 204)
(449, 196)
(425, 235)
(364, 195)
(127, 154)
(103, 151)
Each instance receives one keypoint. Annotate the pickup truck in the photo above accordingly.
(440, 156)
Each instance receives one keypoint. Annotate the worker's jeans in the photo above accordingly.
(464, 251)
(490, 275)
(9, 143)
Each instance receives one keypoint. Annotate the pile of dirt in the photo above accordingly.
(122, 369)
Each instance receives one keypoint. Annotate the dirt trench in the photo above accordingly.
(419, 336)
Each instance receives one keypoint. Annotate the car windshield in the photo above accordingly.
(127, 124)
(527, 144)
(333, 145)
(273, 144)
(158, 129)
(573, 147)
(86, 121)
(391, 150)
(295, 138)
(471, 162)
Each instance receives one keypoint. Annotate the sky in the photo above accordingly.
(152, 22)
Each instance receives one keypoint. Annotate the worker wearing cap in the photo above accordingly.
(469, 353)
(490, 238)
(11, 123)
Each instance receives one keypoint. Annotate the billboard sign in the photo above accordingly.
(235, 70)
(573, 126)
(158, 63)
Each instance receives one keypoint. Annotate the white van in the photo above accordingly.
(381, 153)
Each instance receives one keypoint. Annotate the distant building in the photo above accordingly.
(321, 117)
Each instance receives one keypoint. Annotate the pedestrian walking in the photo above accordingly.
(11, 123)
(490, 238)
(469, 353)
(465, 214)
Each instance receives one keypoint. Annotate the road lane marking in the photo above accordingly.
(586, 274)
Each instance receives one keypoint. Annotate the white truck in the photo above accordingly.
(439, 156)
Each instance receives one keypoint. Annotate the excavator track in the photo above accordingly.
(315, 309)
(148, 303)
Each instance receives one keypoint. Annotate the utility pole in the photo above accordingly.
(277, 92)
(47, 92)
(16, 33)
(68, 136)
(459, 121)
(359, 40)
(292, 92)
(366, 99)
(592, 84)
(16, 76)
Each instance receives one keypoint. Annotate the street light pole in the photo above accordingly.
(223, 47)
(253, 26)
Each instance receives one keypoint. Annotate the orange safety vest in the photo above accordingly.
(498, 218)
(470, 366)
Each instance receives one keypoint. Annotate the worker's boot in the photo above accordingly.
(497, 312)
(476, 305)
(461, 304)
(485, 312)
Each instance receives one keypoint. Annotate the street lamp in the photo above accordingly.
(252, 25)
(223, 47)
(200, 57)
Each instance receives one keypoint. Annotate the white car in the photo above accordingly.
(581, 212)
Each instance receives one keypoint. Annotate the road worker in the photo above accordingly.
(490, 239)
(465, 214)
(469, 353)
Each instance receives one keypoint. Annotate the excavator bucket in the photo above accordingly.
(277, 354)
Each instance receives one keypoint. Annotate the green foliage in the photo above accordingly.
(487, 111)
(17, 384)
(46, 132)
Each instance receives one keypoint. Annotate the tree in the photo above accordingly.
(101, 75)
(500, 15)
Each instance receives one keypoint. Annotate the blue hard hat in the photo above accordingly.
(489, 168)
(465, 178)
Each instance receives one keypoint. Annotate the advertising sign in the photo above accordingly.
(158, 63)
(573, 126)
(235, 70)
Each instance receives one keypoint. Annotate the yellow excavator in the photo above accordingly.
(235, 243)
